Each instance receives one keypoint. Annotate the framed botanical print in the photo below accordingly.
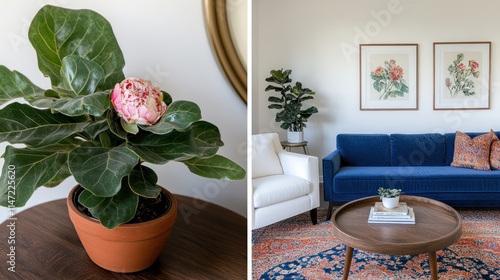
(462, 75)
(388, 76)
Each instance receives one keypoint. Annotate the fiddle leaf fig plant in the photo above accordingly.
(94, 124)
(291, 115)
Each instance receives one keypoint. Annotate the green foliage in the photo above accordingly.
(73, 130)
(291, 115)
(460, 79)
(388, 192)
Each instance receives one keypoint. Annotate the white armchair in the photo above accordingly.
(284, 184)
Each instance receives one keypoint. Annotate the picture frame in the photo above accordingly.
(388, 76)
(462, 75)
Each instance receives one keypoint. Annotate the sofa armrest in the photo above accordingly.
(331, 164)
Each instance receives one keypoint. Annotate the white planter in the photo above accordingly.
(295, 136)
(390, 202)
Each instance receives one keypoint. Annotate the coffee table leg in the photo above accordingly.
(348, 259)
(433, 265)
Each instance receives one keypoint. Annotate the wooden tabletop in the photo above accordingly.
(207, 242)
(436, 227)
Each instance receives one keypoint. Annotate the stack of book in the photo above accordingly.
(402, 214)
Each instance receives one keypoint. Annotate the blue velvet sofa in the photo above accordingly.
(419, 164)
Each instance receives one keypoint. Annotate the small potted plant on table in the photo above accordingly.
(389, 197)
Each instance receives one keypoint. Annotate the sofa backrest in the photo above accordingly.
(364, 149)
(426, 149)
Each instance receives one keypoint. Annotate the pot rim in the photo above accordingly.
(172, 211)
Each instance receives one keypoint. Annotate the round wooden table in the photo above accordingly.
(436, 227)
(207, 242)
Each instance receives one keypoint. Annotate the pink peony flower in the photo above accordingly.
(396, 72)
(138, 101)
(461, 67)
(473, 65)
(378, 71)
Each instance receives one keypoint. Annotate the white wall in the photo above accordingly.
(166, 42)
(309, 36)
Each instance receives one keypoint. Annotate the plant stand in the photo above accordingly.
(288, 146)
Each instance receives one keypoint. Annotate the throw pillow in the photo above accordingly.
(472, 153)
(495, 153)
(265, 161)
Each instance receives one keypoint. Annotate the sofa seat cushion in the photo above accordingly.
(415, 179)
(274, 189)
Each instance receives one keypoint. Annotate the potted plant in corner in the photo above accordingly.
(290, 102)
(100, 127)
(389, 197)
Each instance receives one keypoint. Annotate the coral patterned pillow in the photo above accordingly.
(495, 153)
(472, 153)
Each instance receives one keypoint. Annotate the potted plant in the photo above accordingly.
(389, 197)
(292, 116)
(100, 127)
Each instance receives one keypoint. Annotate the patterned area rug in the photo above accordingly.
(296, 249)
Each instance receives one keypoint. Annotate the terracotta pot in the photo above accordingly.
(128, 247)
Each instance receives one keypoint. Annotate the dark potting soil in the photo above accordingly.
(147, 209)
(151, 208)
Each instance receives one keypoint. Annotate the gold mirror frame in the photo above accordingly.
(216, 17)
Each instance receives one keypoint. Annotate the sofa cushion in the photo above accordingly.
(472, 152)
(415, 179)
(265, 161)
(418, 149)
(364, 149)
(450, 143)
(278, 188)
(495, 153)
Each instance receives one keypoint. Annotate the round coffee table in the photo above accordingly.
(436, 227)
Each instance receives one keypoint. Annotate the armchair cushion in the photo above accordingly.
(278, 188)
(265, 161)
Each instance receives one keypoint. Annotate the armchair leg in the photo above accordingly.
(314, 215)
(330, 212)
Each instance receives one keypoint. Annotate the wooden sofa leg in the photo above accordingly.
(314, 215)
(330, 212)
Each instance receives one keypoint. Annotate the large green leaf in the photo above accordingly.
(89, 200)
(94, 104)
(202, 139)
(57, 32)
(114, 123)
(179, 115)
(21, 123)
(31, 169)
(118, 209)
(216, 167)
(80, 76)
(100, 170)
(15, 85)
(142, 181)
